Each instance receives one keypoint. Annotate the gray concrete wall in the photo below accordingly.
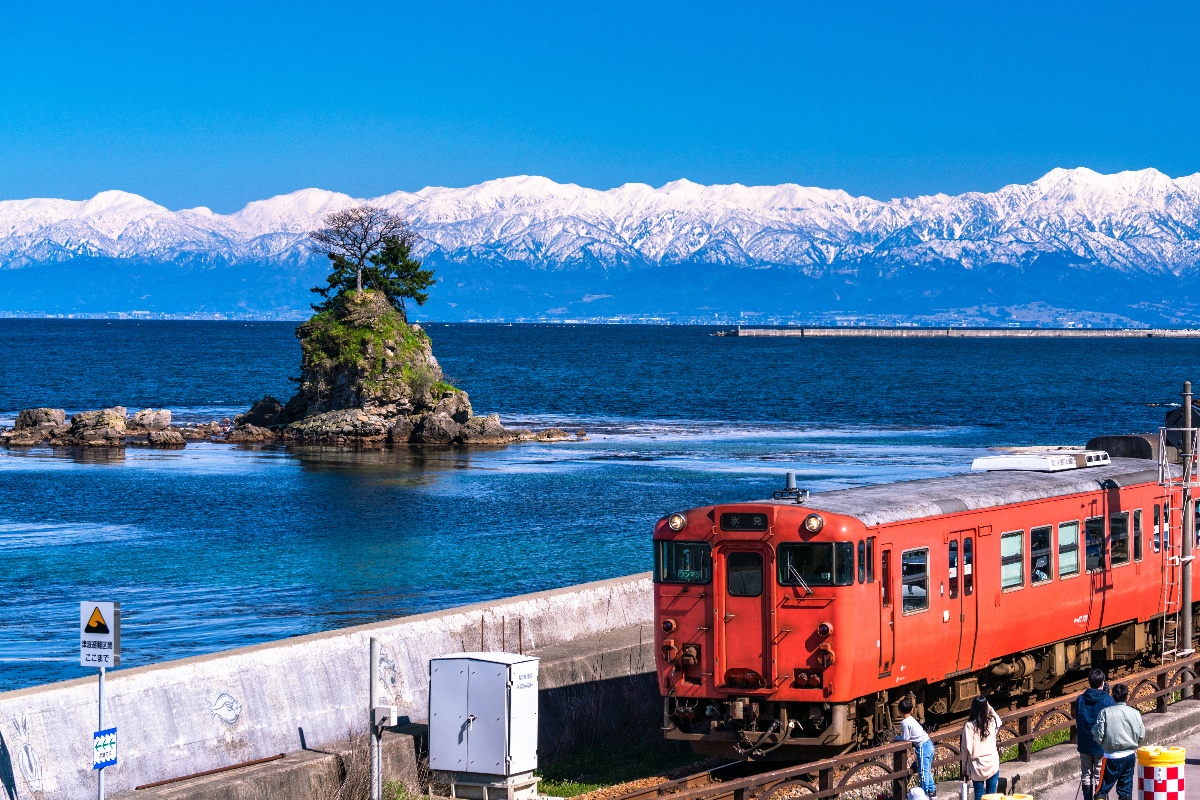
(206, 712)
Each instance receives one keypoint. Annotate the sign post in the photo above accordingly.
(100, 646)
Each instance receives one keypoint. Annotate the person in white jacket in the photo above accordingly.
(980, 751)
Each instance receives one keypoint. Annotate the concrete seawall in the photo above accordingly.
(201, 713)
(973, 333)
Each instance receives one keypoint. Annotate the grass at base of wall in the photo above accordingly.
(596, 767)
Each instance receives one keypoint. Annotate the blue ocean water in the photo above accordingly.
(218, 546)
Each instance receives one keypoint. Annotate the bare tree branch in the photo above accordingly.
(357, 233)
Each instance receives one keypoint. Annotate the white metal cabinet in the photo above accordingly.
(483, 713)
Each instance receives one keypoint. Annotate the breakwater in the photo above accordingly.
(973, 333)
(195, 714)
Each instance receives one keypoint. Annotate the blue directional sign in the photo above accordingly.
(104, 749)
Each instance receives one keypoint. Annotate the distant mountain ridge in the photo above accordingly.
(1072, 242)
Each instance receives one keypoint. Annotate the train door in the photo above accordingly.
(961, 590)
(745, 617)
(887, 609)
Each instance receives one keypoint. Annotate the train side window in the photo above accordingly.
(1040, 569)
(1093, 541)
(968, 578)
(870, 559)
(1166, 528)
(744, 574)
(1137, 534)
(862, 561)
(1012, 560)
(1157, 541)
(914, 580)
(885, 577)
(1068, 548)
(953, 569)
(1118, 537)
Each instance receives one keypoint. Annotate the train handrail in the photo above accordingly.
(890, 763)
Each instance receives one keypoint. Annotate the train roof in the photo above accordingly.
(931, 497)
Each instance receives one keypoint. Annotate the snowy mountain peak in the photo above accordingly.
(1134, 221)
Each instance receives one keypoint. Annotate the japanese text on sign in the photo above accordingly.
(104, 748)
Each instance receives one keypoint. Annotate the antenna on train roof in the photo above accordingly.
(789, 490)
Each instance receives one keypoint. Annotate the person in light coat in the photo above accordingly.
(980, 750)
(1119, 731)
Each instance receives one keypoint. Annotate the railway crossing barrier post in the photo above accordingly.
(1160, 705)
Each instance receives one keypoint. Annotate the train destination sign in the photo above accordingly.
(99, 634)
(744, 522)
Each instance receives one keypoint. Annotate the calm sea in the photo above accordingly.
(218, 546)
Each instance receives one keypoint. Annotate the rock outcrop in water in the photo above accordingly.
(369, 377)
(106, 427)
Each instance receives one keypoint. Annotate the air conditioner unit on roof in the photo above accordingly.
(1025, 462)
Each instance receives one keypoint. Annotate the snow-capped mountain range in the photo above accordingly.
(1140, 220)
(1141, 224)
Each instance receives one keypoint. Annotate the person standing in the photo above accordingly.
(911, 731)
(1119, 731)
(980, 752)
(1087, 710)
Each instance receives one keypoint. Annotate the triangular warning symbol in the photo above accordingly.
(96, 623)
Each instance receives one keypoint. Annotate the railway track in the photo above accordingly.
(888, 766)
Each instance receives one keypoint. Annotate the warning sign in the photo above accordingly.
(99, 634)
(96, 623)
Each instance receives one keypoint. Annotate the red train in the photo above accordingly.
(793, 626)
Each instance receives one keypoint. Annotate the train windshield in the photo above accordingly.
(816, 564)
(683, 562)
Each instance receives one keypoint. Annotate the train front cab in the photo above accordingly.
(761, 610)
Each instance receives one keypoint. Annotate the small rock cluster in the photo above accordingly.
(107, 427)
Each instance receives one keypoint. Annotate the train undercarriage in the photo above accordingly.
(756, 728)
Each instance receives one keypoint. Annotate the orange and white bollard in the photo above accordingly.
(1160, 772)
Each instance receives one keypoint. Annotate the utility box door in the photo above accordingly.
(487, 718)
(523, 703)
(448, 714)
(483, 713)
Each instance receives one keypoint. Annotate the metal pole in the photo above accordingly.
(1189, 525)
(376, 788)
(100, 772)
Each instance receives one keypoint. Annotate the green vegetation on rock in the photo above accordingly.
(363, 333)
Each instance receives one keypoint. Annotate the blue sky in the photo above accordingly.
(217, 104)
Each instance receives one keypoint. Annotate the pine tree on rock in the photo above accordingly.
(373, 247)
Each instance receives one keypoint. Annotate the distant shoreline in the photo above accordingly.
(968, 333)
(722, 328)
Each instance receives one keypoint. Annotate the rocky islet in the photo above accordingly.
(368, 378)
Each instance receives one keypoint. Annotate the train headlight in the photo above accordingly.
(813, 523)
(824, 629)
(668, 626)
(676, 522)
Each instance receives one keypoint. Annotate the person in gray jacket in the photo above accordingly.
(1119, 731)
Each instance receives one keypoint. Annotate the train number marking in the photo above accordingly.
(1081, 619)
